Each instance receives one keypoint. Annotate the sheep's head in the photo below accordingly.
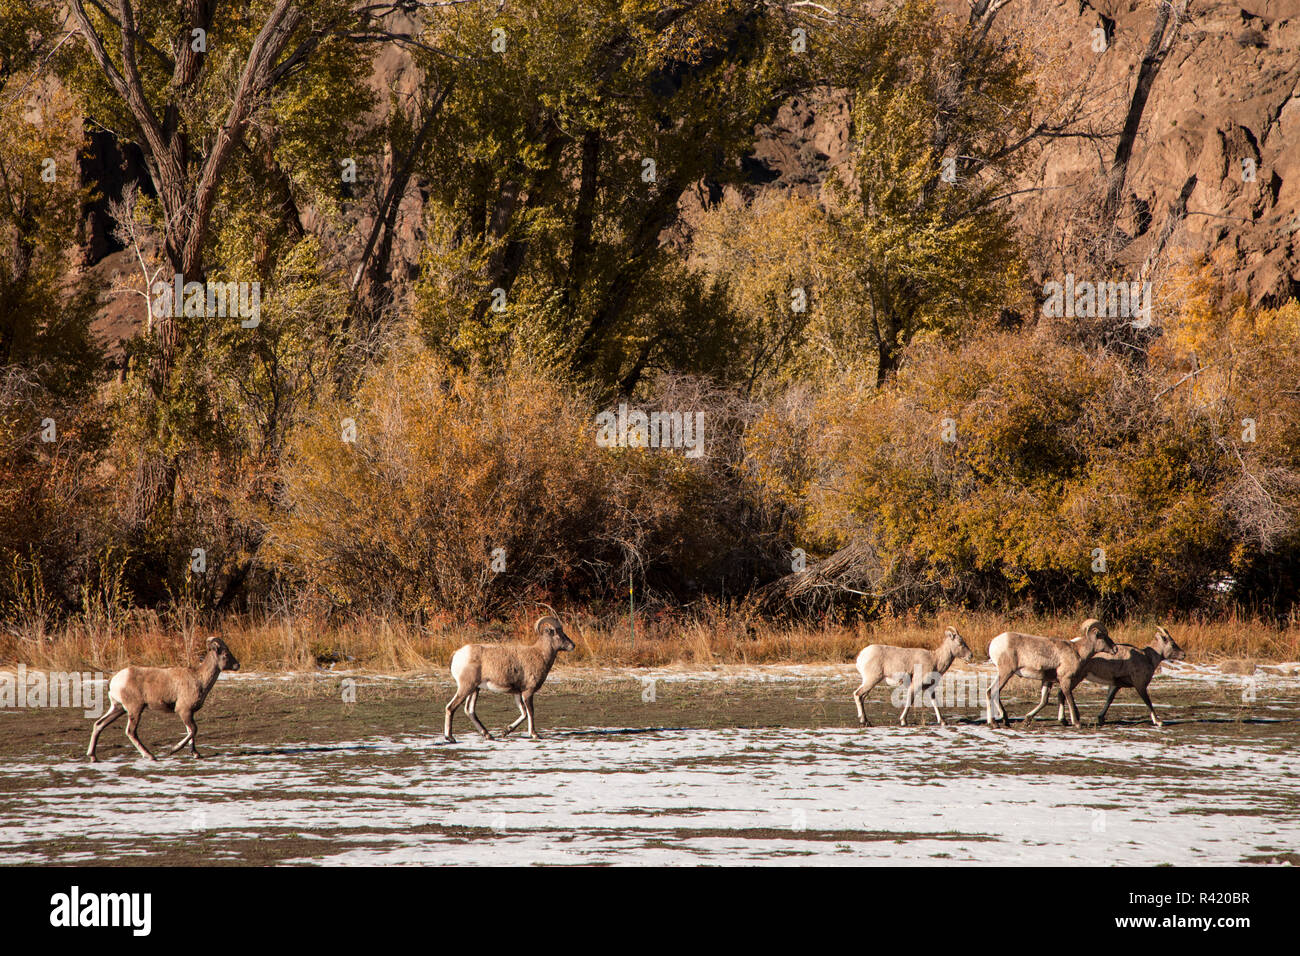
(960, 649)
(550, 629)
(1096, 639)
(1167, 647)
(226, 661)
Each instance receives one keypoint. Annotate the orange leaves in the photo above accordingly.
(1006, 469)
(465, 489)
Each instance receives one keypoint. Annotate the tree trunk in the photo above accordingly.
(372, 281)
(886, 361)
(1163, 36)
(583, 218)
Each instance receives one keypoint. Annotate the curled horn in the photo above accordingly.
(538, 626)
(556, 613)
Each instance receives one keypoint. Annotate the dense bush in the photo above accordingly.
(1012, 470)
(447, 467)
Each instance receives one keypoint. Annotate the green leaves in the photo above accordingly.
(541, 185)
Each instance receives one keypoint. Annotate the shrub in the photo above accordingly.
(449, 466)
(1070, 480)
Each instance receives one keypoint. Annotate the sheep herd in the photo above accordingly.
(1053, 662)
(521, 669)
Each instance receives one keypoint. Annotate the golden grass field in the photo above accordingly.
(292, 643)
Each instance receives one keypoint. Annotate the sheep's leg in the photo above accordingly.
(526, 699)
(1042, 702)
(452, 704)
(911, 694)
(1101, 718)
(132, 722)
(470, 703)
(184, 741)
(523, 715)
(114, 712)
(934, 702)
(860, 697)
(995, 698)
(191, 731)
(1142, 692)
(1068, 691)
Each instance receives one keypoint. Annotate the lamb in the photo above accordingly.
(518, 669)
(1045, 659)
(1133, 667)
(179, 689)
(893, 665)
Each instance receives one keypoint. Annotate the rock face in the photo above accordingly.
(112, 166)
(808, 138)
(1221, 128)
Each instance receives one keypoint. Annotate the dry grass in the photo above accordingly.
(290, 643)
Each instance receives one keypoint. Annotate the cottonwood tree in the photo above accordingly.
(922, 233)
(946, 115)
(186, 160)
(238, 110)
(561, 167)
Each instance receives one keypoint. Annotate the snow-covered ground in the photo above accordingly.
(966, 794)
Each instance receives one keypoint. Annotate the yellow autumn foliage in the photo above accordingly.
(441, 489)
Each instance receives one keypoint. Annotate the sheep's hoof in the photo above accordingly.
(449, 738)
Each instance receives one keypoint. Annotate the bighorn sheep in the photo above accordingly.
(1133, 667)
(179, 689)
(916, 665)
(518, 669)
(1046, 659)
